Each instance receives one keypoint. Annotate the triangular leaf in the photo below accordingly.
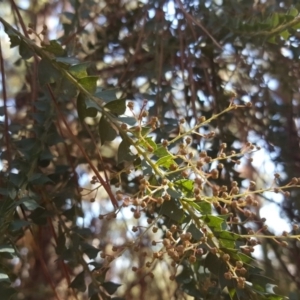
(89, 83)
(47, 73)
(91, 112)
(92, 290)
(79, 282)
(124, 153)
(110, 287)
(106, 131)
(67, 60)
(14, 39)
(28, 202)
(81, 107)
(38, 179)
(79, 70)
(172, 210)
(25, 51)
(89, 250)
(55, 48)
(117, 107)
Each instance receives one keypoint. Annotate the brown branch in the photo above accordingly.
(4, 94)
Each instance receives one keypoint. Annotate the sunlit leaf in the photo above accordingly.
(274, 20)
(89, 83)
(285, 35)
(213, 221)
(79, 70)
(293, 12)
(166, 161)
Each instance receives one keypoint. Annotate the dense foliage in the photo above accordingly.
(128, 135)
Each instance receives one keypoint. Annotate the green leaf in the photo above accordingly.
(7, 292)
(79, 70)
(55, 48)
(100, 277)
(272, 40)
(196, 233)
(61, 243)
(42, 105)
(110, 287)
(117, 107)
(106, 95)
(7, 251)
(293, 12)
(166, 161)
(4, 277)
(226, 239)
(124, 153)
(70, 213)
(66, 89)
(39, 216)
(172, 210)
(14, 39)
(47, 73)
(274, 20)
(81, 107)
(161, 151)
(79, 283)
(89, 83)
(67, 17)
(150, 141)
(128, 120)
(18, 224)
(89, 250)
(92, 290)
(185, 184)
(67, 60)
(92, 104)
(146, 142)
(213, 222)
(285, 35)
(25, 51)
(213, 264)
(204, 207)
(38, 179)
(185, 276)
(39, 117)
(91, 112)
(16, 179)
(106, 131)
(28, 202)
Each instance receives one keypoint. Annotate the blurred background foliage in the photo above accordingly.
(186, 58)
